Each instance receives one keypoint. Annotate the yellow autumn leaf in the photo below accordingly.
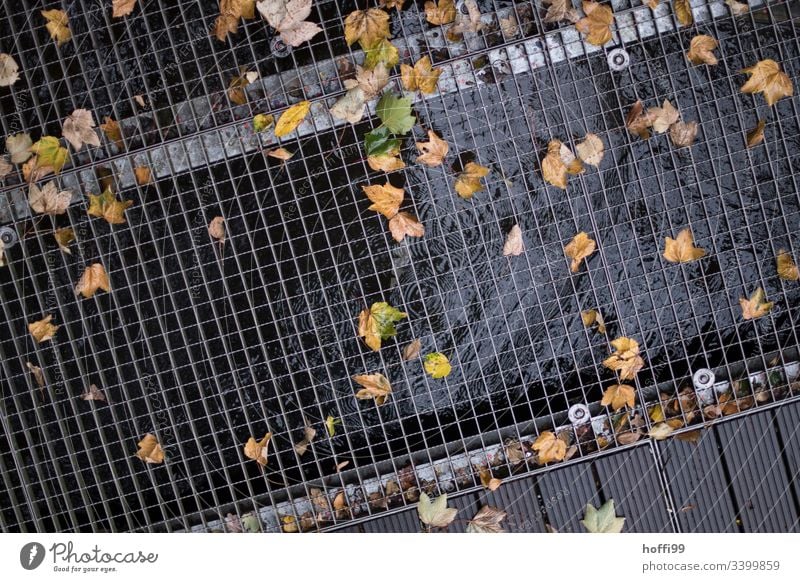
(373, 387)
(107, 207)
(437, 365)
(143, 175)
(596, 25)
(756, 306)
(593, 316)
(549, 448)
(43, 330)
(619, 396)
(766, 77)
(49, 154)
(700, 49)
(433, 151)
(421, 77)
(469, 180)
(440, 12)
(488, 481)
(368, 26)
(150, 450)
(122, 8)
(378, 323)
(404, 224)
(756, 135)
(554, 170)
(93, 279)
(787, 269)
(385, 198)
(682, 249)
(683, 12)
(63, 237)
(626, 359)
(579, 248)
(113, 132)
(57, 25)
(257, 450)
(291, 118)
(388, 162)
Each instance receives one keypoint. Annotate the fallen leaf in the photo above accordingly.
(683, 134)
(514, 245)
(756, 135)
(489, 482)
(395, 113)
(93, 279)
(280, 154)
(43, 330)
(591, 150)
(692, 437)
(288, 17)
(113, 132)
(384, 52)
(93, 393)
(603, 520)
(258, 450)
(251, 523)
(308, 436)
(38, 375)
(122, 8)
(682, 249)
(57, 25)
(79, 129)
(63, 237)
(437, 365)
(49, 200)
(663, 117)
(377, 323)
(370, 81)
(487, 520)
(366, 26)
(653, 4)
(509, 26)
(150, 450)
(18, 146)
(513, 451)
(236, 92)
(683, 11)
(554, 170)
(230, 11)
(626, 359)
(9, 70)
(661, 431)
(49, 154)
(421, 77)
(638, 122)
(579, 248)
(216, 228)
(330, 425)
(5, 166)
(389, 4)
(433, 151)
(559, 10)
(107, 207)
(435, 513)
(289, 524)
(440, 12)
(755, 306)
(351, 106)
(737, 8)
(386, 199)
(291, 118)
(387, 162)
(411, 351)
(262, 122)
(549, 448)
(404, 224)
(787, 269)
(469, 22)
(619, 396)
(766, 77)
(700, 49)
(469, 180)
(374, 387)
(143, 175)
(592, 316)
(596, 24)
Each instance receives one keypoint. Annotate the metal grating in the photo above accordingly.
(205, 345)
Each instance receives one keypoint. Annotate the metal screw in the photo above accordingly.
(703, 379)
(462, 7)
(618, 59)
(279, 48)
(8, 236)
(578, 414)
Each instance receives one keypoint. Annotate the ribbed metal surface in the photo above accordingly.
(519, 500)
(573, 486)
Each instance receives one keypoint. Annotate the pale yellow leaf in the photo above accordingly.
(150, 450)
(579, 248)
(291, 118)
(43, 330)
(682, 249)
(93, 279)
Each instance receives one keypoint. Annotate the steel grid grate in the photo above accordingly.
(206, 345)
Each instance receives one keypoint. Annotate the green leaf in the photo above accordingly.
(395, 113)
(603, 520)
(262, 122)
(435, 513)
(381, 52)
(330, 425)
(379, 142)
(386, 316)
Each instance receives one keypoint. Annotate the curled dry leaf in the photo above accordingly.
(787, 269)
(591, 317)
(682, 249)
(230, 11)
(638, 122)
(404, 224)
(756, 135)
(43, 330)
(57, 25)
(107, 207)
(412, 350)
(216, 228)
(378, 323)
(370, 81)
(373, 387)
(280, 154)
(150, 450)
(469, 180)
(93, 393)
(509, 26)
(9, 70)
(18, 146)
(579, 248)
(549, 448)
(113, 132)
(440, 12)
(619, 396)
(38, 375)
(433, 151)
(682, 133)
(258, 450)
(330, 425)
(368, 27)
(5, 166)
(514, 245)
(236, 92)
(489, 482)
(663, 117)
(79, 129)
(93, 279)
(288, 17)
(435, 513)
(437, 365)
(48, 199)
(308, 436)
(591, 150)
(122, 8)
(603, 520)
(766, 77)
(143, 175)
(700, 49)
(737, 8)
(487, 520)
(559, 10)
(683, 12)
(291, 118)
(421, 77)
(386, 199)
(389, 4)
(756, 306)
(661, 431)
(596, 25)
(626, 359)
(263, 122)
(466, 22)
(558, 163)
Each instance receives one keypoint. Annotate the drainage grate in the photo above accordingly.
(205, 345)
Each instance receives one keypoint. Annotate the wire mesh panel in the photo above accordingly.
(206, 343)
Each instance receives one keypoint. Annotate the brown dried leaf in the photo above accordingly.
(150, 450)
(661, 431)
(93, 393)
(369, 26)
(122, 7)
(433, 151)
(389, 4)
(653, 4)
(43, 330)
(388, 162)
(258, 450)
(591, 150)
(549, 448)
(755, 306)
(107, 207)
(308, 436)
(421, 77)
(412, 350)
(79, 129)
(18, 146)
(683, 134)
(374, 387)
(93, 279)
(386, 199)
(579, 248)
(489, 482)
(682, 249)
(216, 228)
(38, 375)
(236, 92)
(509, 26)
(404, 224)
(143, 175)
(288, 17)
(737, 8)
(9, 70)
(49, 200)
(559, 10)
(514, 452)
(371, 81)
(280, 154)
(351, 106)
(487, 520)
(469, 22)
(663, 117)
(787, 269)
(596, 24)
(756, 135)
(558, 163)
(469, 181)
(57, 25)
(638, 122)
(514, 245)
(592, 316)
(113, 132)
(5, 167)
(626, 359)
(619, 396)
(63, 237)
(683, 11)
(440, 12)
(766, 77)
(700, 49)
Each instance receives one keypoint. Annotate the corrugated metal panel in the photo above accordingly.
(572, 487)
(518, 499)
(404, 522)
